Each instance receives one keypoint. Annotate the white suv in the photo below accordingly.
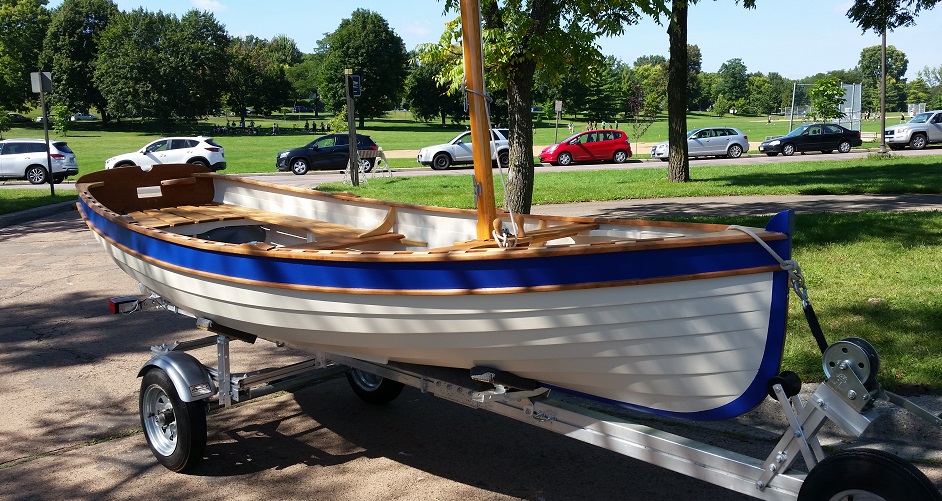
(26, 159)
(458, 151)
(174, 150)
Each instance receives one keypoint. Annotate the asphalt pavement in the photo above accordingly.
(70, 427)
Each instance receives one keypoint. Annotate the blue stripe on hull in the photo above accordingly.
(448, 275)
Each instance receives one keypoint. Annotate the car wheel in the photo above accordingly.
(441, 161)
(788, 150)
(620, 157)
(895, 147)
(299, 166)
(58, 179)
(844, 147)
(36, 174)
(735, 151)
(366, 164)
(917, 142)
(199, 161)
(503, 159)
(564, 158)
(664, 159)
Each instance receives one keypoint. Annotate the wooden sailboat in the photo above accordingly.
(685, 320)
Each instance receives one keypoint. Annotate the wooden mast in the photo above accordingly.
(471, 40)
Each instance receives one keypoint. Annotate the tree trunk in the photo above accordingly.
(678, 166)
(519, 99)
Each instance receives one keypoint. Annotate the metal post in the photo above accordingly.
(883, 93)
(351, 131)
(791, 118)
(49, 176)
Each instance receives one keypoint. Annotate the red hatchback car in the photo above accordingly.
(589, 146)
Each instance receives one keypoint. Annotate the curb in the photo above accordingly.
(27, 215)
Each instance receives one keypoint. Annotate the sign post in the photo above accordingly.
(353, 89)
(42, 83)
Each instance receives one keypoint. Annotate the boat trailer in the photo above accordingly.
(177, 392)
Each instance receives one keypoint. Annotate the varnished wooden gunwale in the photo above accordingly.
(720, 234)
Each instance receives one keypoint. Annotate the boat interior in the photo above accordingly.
(183, 199)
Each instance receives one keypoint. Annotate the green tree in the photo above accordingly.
(254, 78)
(303, 80)
(602, 99)
(652, 60)
(870, 70)
(59, 115)
(284, 51)
(427, 97)
(70, 50)
(762, 99)
(23, 24)
(523, 36)
(367, 45)
(917, 91)
(694, 83)
(827, 96)
(156, 66)
(733, 80)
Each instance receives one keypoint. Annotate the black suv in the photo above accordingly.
(326, 152)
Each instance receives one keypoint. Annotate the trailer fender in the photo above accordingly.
(190, 378)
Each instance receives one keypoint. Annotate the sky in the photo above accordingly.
(795, 38)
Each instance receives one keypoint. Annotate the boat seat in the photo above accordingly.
(342, 242)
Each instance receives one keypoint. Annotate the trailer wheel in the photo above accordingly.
(372, 388)
(175, 430)
(866, 474)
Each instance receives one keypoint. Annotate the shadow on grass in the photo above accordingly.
(902, 176)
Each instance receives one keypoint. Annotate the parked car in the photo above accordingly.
(17, 118)
(813, 137)
(301, 109)
(326, 152)
(919, 131)
(590, 146)
(174, 150)
(82, 116)
(26, 159)
(709, 141)
(458, 151)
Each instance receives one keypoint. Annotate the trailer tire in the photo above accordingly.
(175, 430)
(373, 389)
(864, 473)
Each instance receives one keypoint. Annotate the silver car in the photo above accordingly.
(709, 141)
(458, 151)
(174, 150)
(26, 159)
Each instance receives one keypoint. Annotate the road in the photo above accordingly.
(70, 426)
(641, 160)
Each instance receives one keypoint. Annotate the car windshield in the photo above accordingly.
(797, 132)
(920, 118)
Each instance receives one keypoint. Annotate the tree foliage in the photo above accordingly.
(881, 16)
(429, 98)
(733, 80)
(367, 45)
(827, 96)
(23, 25)
(70, 51)
(254, 78)
(153, 65)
